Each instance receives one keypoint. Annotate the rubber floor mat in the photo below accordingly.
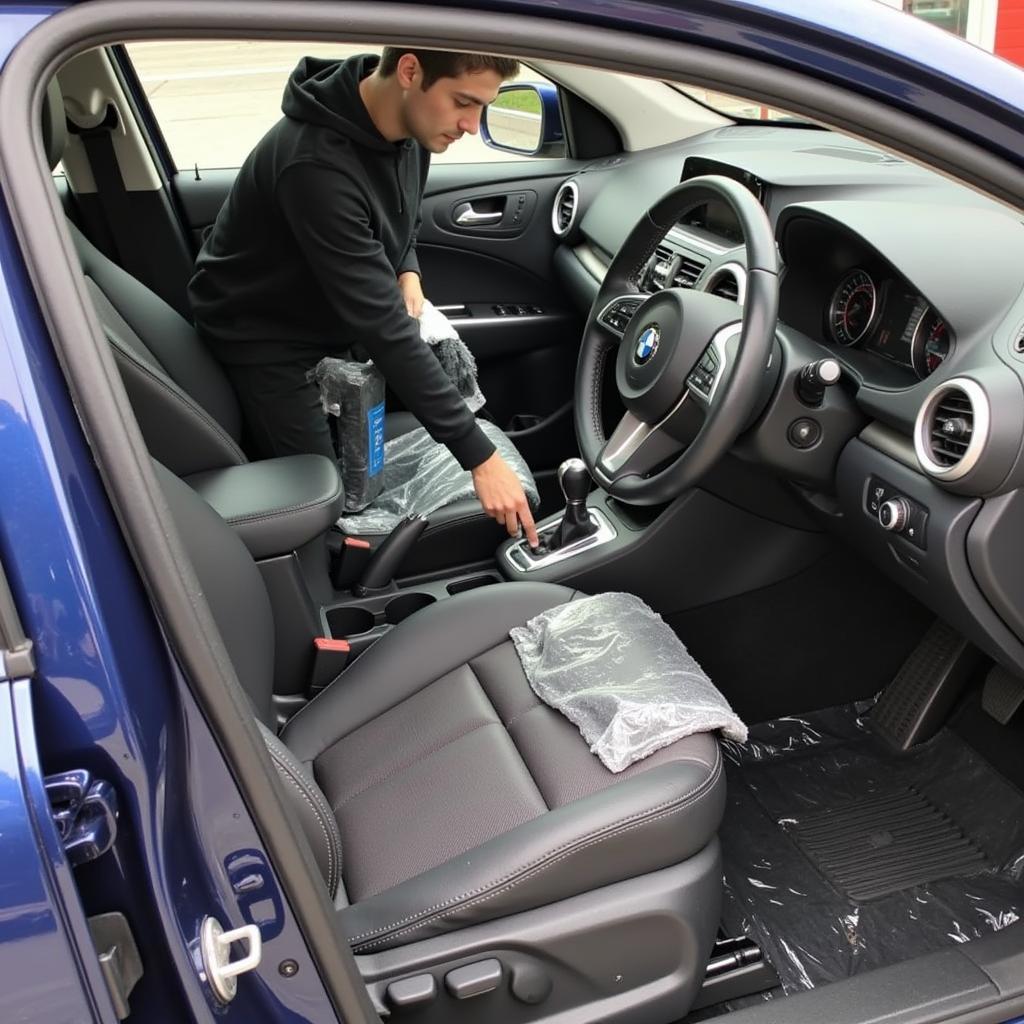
(874, 847)
(842, 855)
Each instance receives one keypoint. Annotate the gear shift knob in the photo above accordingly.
(576, 524)
(574, 480)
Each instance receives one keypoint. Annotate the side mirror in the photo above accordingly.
(524, 119)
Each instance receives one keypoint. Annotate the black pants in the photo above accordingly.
(282, 410)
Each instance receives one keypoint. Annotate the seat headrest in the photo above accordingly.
(55, 125)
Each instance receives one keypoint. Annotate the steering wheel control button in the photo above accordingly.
(619, 313)
(410, 992)
(702, 376)
(894, 514)
(815, 377)
(804, 433)
(474, 979)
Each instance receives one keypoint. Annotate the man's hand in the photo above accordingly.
(412, 292)
(502, 497)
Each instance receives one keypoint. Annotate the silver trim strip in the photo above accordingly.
(605, 533)
(739, 275)
(572, 187)
(979, 435)
(682, 237)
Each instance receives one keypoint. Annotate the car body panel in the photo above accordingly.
(108, 695)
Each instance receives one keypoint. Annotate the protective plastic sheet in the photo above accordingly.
(421, 476)
(615, 669)
(354, 393)
(453, 355)
(842, 856)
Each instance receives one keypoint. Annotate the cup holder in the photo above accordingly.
(402, 607)
(343, 622)
(472, 583)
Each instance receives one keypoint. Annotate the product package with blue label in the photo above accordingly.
(354, 393)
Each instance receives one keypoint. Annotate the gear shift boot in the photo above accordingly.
(576, 524)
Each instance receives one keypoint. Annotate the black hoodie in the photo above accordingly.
(303, 258)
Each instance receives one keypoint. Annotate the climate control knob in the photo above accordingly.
(893, 514)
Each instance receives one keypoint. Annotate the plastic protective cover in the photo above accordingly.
(354, 393)
(842, 855)
(616, 670)
(421, 476)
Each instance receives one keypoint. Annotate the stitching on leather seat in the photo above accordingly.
(182, 399)
(254, 517)
(408, 764)
(547, 860)
(288, 774)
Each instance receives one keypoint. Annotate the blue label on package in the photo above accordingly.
(375, 423)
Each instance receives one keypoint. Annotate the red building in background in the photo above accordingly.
(994, 25)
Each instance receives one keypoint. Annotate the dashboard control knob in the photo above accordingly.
(815, 377)
(894, 514)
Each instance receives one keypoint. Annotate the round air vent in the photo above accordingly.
(729, 281)
(563, 210)
(952, 428)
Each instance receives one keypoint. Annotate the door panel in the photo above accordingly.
(499, 276)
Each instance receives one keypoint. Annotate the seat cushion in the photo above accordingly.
(460, 797)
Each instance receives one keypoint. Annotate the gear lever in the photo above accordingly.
(576, 523)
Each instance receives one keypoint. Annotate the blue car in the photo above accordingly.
(740, 738)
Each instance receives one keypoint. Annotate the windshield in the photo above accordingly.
(735, 107)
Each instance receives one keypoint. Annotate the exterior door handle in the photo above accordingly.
(466, 216)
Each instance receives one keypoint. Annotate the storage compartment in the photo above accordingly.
(483, 580)
(350, 621)
(402, 607)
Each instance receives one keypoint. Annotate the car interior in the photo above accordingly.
(787, 366)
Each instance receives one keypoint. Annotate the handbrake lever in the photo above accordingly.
(385, 562)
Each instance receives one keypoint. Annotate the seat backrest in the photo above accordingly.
(184, 403)
(237, 596)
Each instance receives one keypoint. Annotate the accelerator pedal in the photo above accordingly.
(914, 705)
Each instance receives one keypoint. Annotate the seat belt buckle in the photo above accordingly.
(348, 560)
(330, 656)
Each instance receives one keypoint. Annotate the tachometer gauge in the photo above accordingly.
(930, 344)
(852, 309)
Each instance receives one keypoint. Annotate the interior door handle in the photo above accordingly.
(466, 216)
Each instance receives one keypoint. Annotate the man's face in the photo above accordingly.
(451, 107)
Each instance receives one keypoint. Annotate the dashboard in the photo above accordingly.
(913, 285)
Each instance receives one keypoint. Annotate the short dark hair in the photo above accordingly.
(445, 64)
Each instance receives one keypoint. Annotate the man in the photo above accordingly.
(314, 251)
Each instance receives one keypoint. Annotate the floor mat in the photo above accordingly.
(842, 855)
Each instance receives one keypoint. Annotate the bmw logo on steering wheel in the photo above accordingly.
(647, 343)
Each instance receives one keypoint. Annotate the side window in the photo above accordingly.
(214, 100)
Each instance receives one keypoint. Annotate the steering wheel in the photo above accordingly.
(689, 365)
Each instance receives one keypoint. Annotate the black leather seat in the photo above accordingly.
(184, 402)
(456, 819)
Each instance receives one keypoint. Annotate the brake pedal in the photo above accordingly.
(1002, 694)
(914, 705)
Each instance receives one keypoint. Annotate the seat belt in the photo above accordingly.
(129, 251)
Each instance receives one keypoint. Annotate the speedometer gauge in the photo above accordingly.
(930, 344)
(852, 309)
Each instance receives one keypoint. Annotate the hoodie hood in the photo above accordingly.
(317, 89)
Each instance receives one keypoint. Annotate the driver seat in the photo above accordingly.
(185, 405)
(472, 843)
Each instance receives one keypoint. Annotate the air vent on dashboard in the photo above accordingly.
(690, 268)
(729, 281)
(952, 428)
(564, 208)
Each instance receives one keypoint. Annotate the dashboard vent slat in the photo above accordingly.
(690, 269)
(951, 428)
